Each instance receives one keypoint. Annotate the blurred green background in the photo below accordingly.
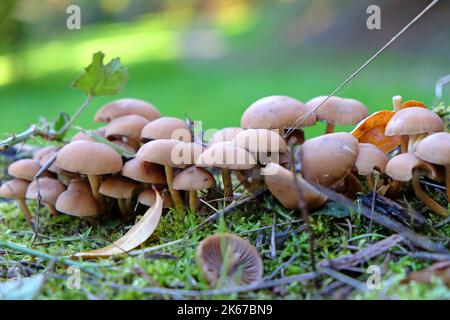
(210, 59)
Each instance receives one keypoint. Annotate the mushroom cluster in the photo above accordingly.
(91, 178)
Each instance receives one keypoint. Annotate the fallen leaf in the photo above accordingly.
(439, 270)
(21, 289)
(137, 235)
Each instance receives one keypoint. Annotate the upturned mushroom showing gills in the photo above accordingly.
(124, 107)
(92, 159)
(127, 129)
(436, 149)
(338, 111)
(285, 189)
(328, 159)
(278, 112)
(167, 128)
(414, 123)
(16, 189)
(226, 156)
(50, 189)
(148, 198)
(144, 172)
(227, 260)
(193, 179)
(78, 204)
(406, 167)
(122, 189)
(370, 159)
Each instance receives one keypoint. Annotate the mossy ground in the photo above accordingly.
(175, 266)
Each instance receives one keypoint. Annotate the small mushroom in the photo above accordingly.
(223, 135)
(38, 155)
(77, 184)
(78, 204)
(328, 159)
(148, 198)
(144, 171)
(50, 189)
(406, 167)
(25, 169)
(228, 260)
(370, 158)
(436, 149)
(16, 189)
(124, 107)
(92, 159)
(282, 185)
(120, 188)
(414, 123)
(337, 110)
(127, 129)
(193, 179)
(167, 128)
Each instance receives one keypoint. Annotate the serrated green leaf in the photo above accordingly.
(99, 79)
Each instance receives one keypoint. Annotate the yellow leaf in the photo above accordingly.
(137, 235)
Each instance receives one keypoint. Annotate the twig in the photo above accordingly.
(18, 138)
(77, 114)
(344, 278)
(273, 246)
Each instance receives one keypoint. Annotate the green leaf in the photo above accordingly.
(333, 209)
(99, 79)
(61, 121)
(98, 138)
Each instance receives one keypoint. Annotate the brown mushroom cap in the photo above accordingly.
(14, 189)
(401, 167)
(329, 158)
(167, 128)
(193, 179)
(24, 169)
(79, 185)
(435, 149)
(125, 146)
(118, 187)
(90, 158)
(282, 185)
(148, 198)
(276, 112)
(226, 134)
(50, 190)
(231, 254)
(144, 171)
(124, 107)
(370, 158)
(226, 155)
(81, 136)
(338, 110)
(44, 152)
(76, 203)
(127, 126)
(260, 140)
(414, 120)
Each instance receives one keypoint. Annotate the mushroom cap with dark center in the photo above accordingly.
(193, 179)
(143, 171)
(260, 140)
(401, 167)
(50, 189)
(124, 107)
(89, 158)
(76, 203)
(282, 185)
(226, 134)
(340, 111)
(14, 189)
(435, 149)
(370, 158)
(414, 120)
(127, 126)
(230, 254)
(329, 158)
(167, 128)
(148, 198)
(24, 169)
(226, 155)
(118, 187)
(276, 112)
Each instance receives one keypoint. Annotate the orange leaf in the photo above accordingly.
(137, 235)
(413, 103)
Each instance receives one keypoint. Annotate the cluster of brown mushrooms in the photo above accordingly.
(91, 179)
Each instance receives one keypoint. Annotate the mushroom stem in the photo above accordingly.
(193, 200)
(176, 197)
(26, 212)
(227, 186)
(447, 181)
(370, 182)
(430, 203)
(395, 188)
(414, 140)
(242, 177)
(404, 144)
(330, 128)
(123, 207)
(52, 210)
(397, 103)
(95, 184)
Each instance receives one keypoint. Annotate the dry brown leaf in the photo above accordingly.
(137, 235)
(438, 270)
